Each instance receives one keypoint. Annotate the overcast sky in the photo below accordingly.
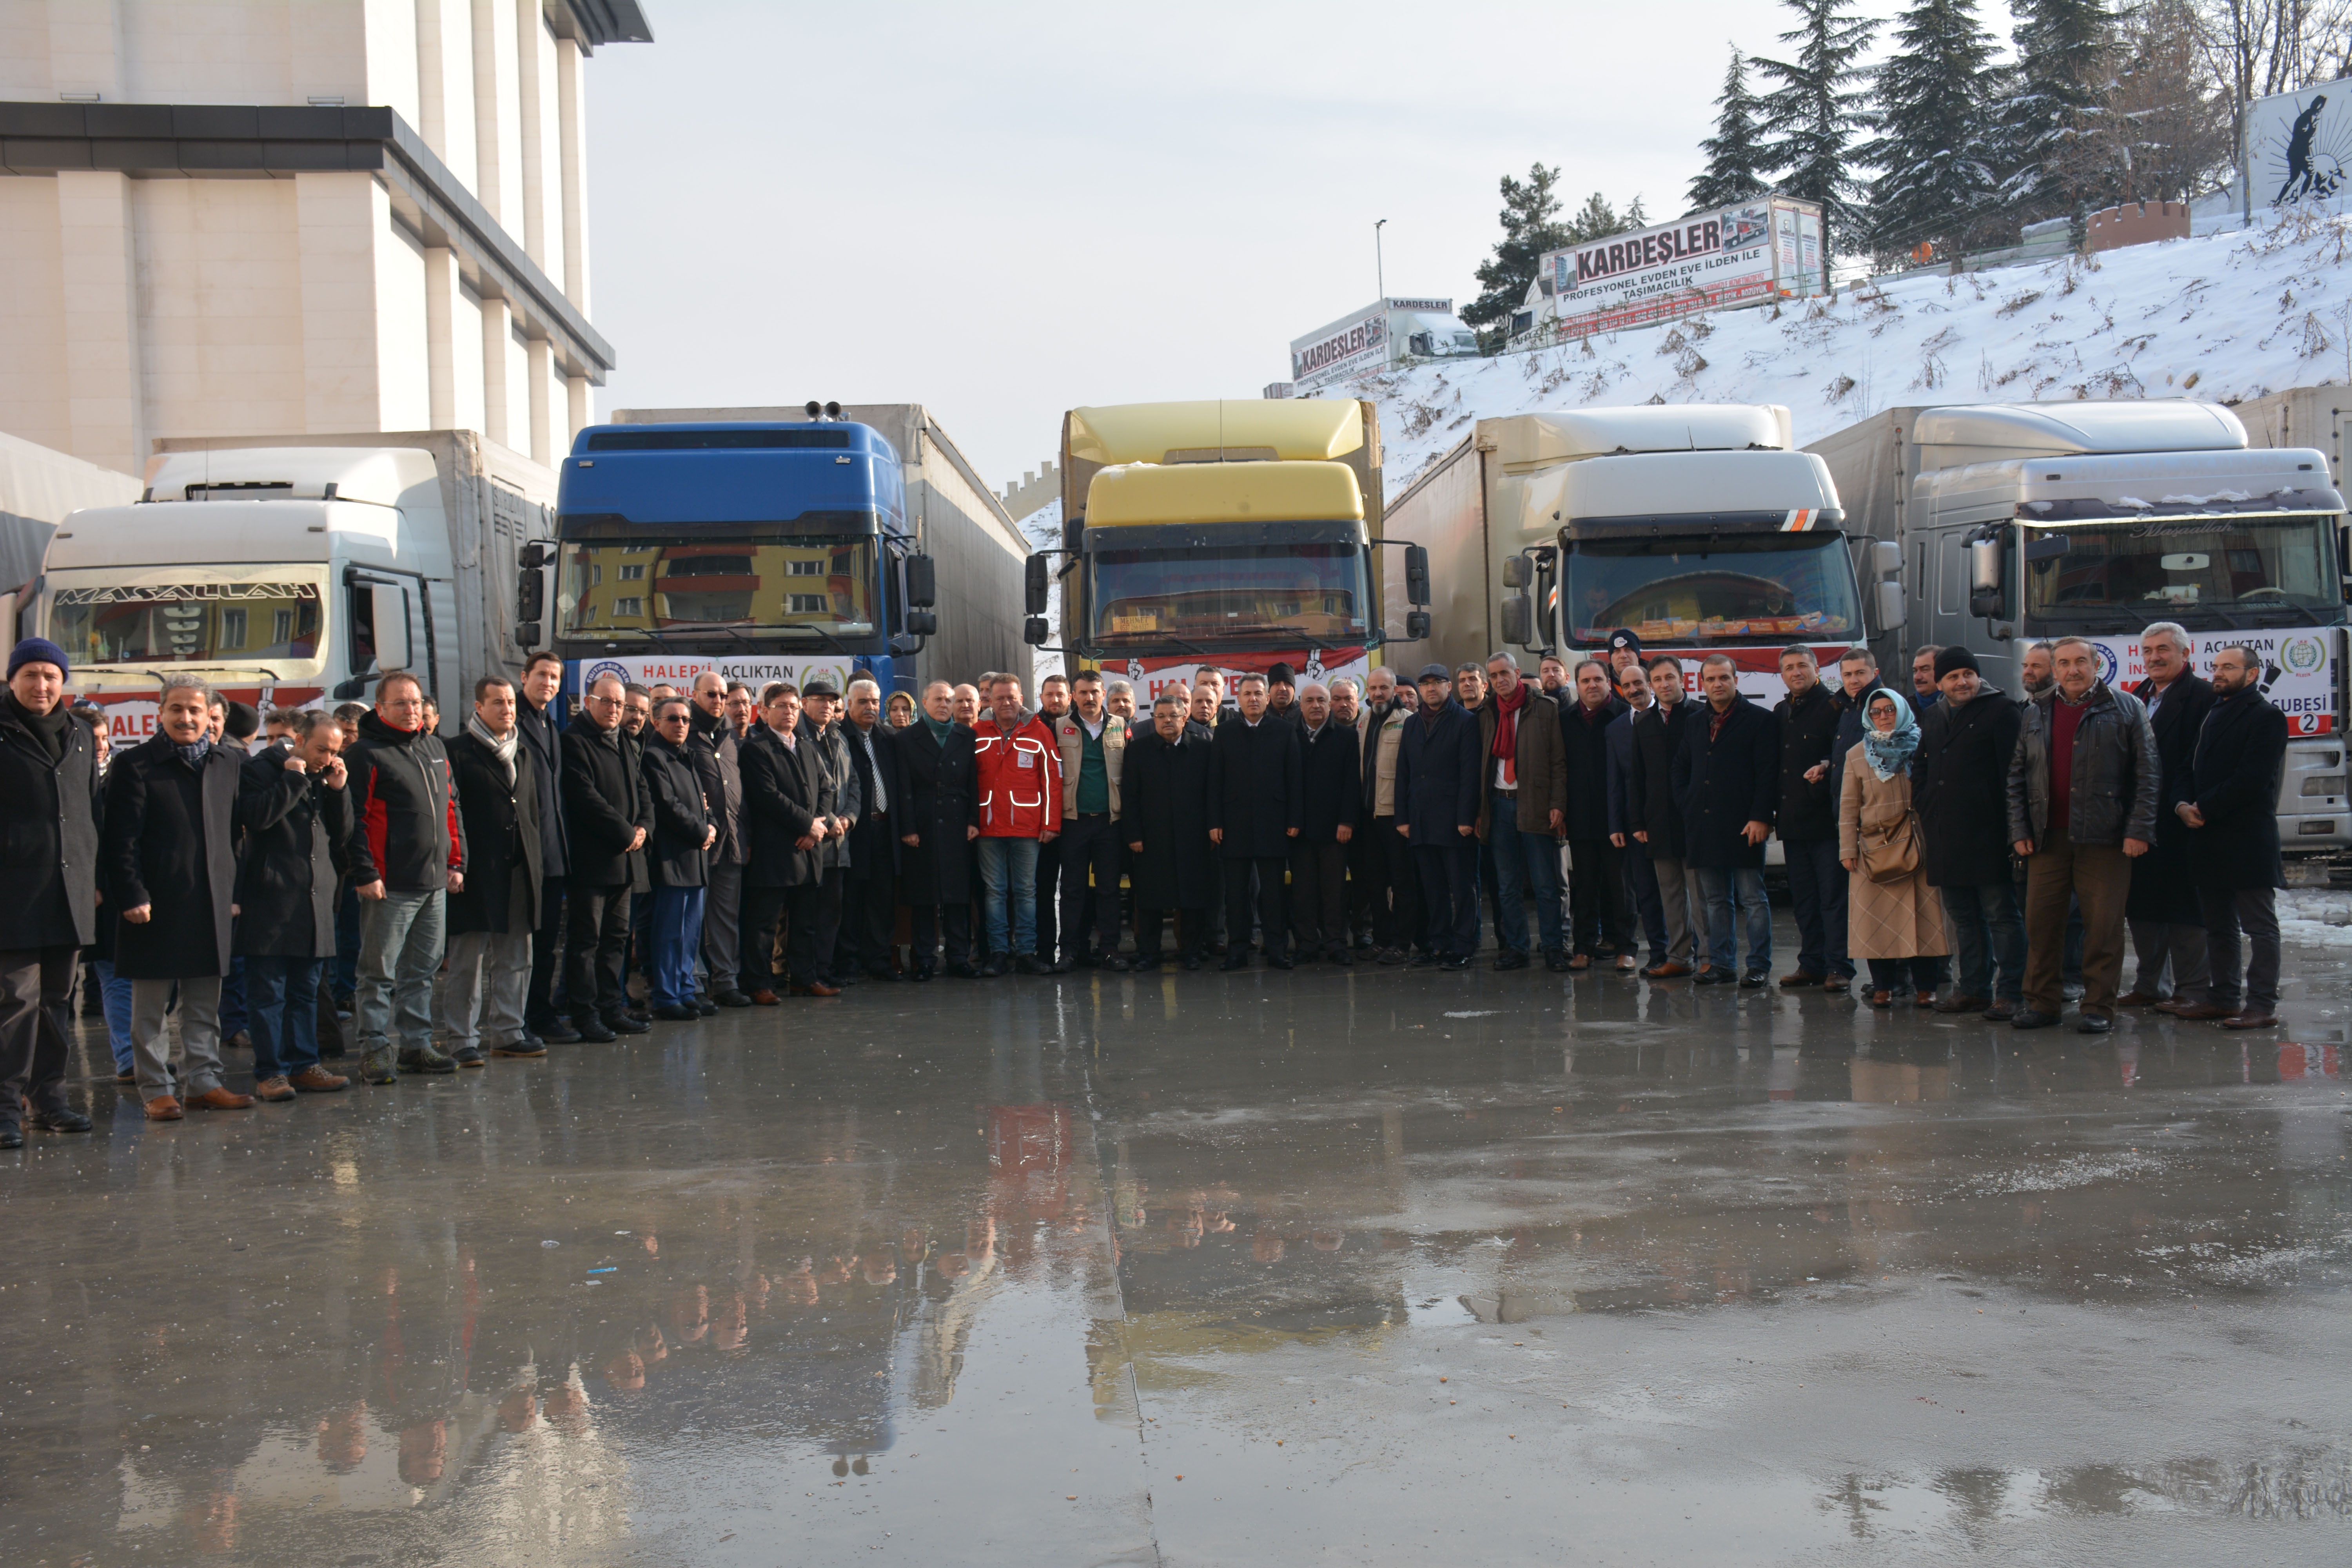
(1009, 209)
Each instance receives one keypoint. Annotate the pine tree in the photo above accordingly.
(1531, 226)
(1934, 118)
(1596, 219)
(1818, 111)
(2050, 118)
(1736, 168)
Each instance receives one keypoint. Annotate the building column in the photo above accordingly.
(105, 395)
(543, 410)
(573, 147)
(579, 416)
(441, 287)
(497, 334)
(336, 216)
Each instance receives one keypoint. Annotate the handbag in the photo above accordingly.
(1890, 850)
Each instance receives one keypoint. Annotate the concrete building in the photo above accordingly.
(287, 217)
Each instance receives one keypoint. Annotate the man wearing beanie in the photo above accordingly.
(1959, 788)
(1281, 693)
(49, 775)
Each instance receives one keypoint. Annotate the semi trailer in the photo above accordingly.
(775, 545)
(1237, 534)
(295, 571)
(1693, 526)
(2019, 523)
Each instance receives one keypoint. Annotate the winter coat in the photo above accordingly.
(1539, 762)
(874, 842)
(2163, 885)
(2234, 784)
(604, 805)
(1069, 741)
(1256, 787)
(49, 836)
(544, 741)
(1617, 741)
(1163, 801)
(170, 843)
(940, 805)
(1959, 781)
(838, 789)
(296, 832)
(405, 827)
(1331, 783)
(1440, 775)
(1379, 761)
(1017, 771)
(1651, 806)
(1726, 780)
(1850, 722)
(674, 848)
(1585, 744)
(712, 748)
(502, 836)
(1807, 812)
(1903, 918)
(783, 794)
(2115, 780)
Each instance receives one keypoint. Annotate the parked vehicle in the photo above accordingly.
(2021, 522)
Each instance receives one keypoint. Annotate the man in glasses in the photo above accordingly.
(608, 813)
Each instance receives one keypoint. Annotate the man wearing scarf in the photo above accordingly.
(492, 920)
(1526, 806)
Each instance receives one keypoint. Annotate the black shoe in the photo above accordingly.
(1282, 961)
(1556, 959)
(704, 1008)
(2027, 1018)
(11, 1135)
(845, 978)
(1422, 959)
(1026, 964)
(1066, 966)
(1343, 958)
(882, 976)
(594, 1031)
(556, 1032)
(628, 1023)
(1193, 961)
(677, 1015)
(425, 1059)
(731, 998)
(994, 966)
(643, 1012)
(1454, 961)
(61, 1120)
(922, 971)
(1715, 977)
(1756, 979)
(2094, 1024)
(1511, 958)
(967, 970)
(1236, 960)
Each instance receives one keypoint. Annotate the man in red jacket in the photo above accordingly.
(407, 854)
(1017, 776)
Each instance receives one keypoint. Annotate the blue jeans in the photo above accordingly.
(114, 995)
(1817, 886)
(1723, 885)
(400, 951)
(282, 994)
(1988, 932)
(1008, 895)
(674, 931)
(1522, 861)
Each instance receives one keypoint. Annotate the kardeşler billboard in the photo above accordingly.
(2299, 147)
(1741, 254)
(1337, 352)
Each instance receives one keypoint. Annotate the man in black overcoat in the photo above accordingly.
(2231, 809)
(1163, 802)
(935, 832)
(1254, 808)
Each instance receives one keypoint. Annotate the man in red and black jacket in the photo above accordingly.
(407, 854)
(1017, 806)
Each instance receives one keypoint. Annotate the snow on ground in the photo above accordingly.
(2226, 317)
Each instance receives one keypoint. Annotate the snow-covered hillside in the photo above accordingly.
(2226, 317)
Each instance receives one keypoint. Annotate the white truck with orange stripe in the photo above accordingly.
(1694, 526)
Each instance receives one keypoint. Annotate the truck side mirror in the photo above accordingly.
(527, 634)
(905, 645)
(1984, 565)
(532, 558)
(922, 583)
(922, 623)
(1037, 579)
(1891, 606)
(1416, 577)
(1514, 570)
(1518, 612)
(1416, 626)
(1034, 630)
(530, 596)
(1886, 557)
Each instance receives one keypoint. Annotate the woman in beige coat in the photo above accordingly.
(1892, 917)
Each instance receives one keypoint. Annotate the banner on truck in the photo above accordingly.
(1708, 261)
(2298, 669)
(1338, 353)
(1174, 673)
(753, 670)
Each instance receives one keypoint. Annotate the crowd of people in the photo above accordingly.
(263, 878)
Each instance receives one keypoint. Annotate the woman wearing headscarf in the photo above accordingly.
(1894, 918)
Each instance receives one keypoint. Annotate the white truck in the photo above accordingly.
(2021, 522)
(1693, 525)
(292, 571)
(1397, 329)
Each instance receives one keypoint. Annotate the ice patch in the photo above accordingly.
(2082, 1170)
(1483, 1013)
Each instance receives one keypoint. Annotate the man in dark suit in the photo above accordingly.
(1726, 777)
(784, 809)
(936, 828)
(491, 923)
(1163, 805)
(869, 902)
(715, 748)
(2162, 911)
(2232, 810)
(1255, 809)
(1331, 793)
(542, 680)
(1439, 768)
(609, 815)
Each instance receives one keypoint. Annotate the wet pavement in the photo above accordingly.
(1198, 1268)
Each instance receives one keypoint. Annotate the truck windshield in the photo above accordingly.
(187, 622)
(1196, 594)
(2255, 563)
(638, 587)
(1726, 588)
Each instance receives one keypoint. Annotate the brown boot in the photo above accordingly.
(276, 1090)
(163, 1108)
(317, 1081)
(2201, 1012)
(2252, 1019)
(221, 1100)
